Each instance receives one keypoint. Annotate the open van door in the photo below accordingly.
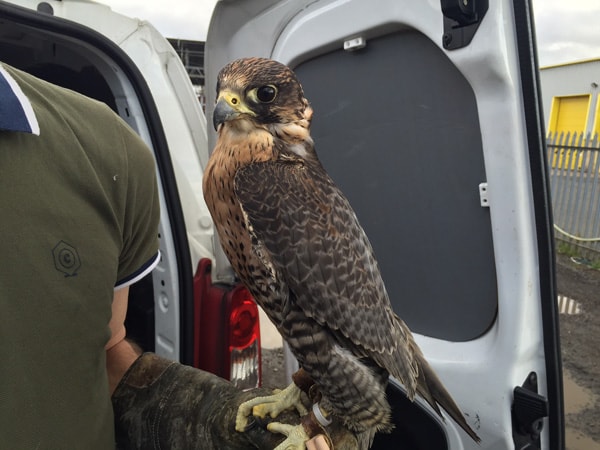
(449, 181)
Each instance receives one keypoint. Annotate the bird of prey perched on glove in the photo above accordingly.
(295, 242)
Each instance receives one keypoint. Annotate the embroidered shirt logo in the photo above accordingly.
(66, 259)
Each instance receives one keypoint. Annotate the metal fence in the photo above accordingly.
(574, 166)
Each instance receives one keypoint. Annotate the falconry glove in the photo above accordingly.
(161, 404)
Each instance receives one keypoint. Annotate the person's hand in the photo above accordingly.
(317, 443)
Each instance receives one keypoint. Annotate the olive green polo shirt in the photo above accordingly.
(79, 216)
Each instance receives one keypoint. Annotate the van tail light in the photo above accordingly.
(226, 330)
(243, 338)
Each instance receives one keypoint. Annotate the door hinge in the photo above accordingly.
(528, 411)
(461, 21)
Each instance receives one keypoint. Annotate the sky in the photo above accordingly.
(567, 31)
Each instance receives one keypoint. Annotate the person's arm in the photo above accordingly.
(120, 353)
(155, 388)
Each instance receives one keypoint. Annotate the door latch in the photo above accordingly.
(528, 411)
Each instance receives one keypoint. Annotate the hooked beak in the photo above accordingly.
(222, 113)
(229, 106)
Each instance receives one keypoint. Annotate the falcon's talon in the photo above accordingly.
(251, 423)
(242, 417)
(296, 436)
(271, 405)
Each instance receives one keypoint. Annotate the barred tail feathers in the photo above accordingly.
(430, 387)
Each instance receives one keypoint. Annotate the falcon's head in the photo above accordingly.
(262, 91)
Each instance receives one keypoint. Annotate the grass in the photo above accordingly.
(563, 248)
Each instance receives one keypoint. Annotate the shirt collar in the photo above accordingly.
(16, 112)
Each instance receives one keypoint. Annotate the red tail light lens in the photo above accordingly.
(244, 339)
(226, 330)
(243, 319)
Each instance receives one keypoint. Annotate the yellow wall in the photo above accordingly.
(596, 127)
(569, 113)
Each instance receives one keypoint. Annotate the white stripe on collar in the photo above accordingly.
(23, 100)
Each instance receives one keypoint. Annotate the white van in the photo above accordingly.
(427, 115)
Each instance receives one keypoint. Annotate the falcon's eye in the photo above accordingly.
(266, 94)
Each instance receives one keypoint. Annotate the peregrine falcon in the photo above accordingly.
(294, 240)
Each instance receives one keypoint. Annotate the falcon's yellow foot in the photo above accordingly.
(296, 436)
(271, 405)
